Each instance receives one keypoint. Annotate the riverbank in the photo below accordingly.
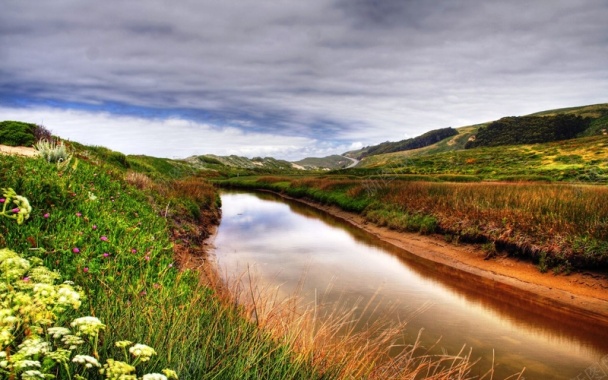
(580, 294)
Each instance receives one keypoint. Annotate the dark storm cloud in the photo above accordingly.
(333, 71)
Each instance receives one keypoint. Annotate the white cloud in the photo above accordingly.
(172, 138)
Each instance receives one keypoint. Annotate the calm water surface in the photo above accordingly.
(294, 246)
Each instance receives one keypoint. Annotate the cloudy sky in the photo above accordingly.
(291, 79)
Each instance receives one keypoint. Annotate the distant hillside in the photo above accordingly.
(329, 162)
(529, 130)
(597, 115)
(429, 138)
(213, 161)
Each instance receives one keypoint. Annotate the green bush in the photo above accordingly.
(16, 133)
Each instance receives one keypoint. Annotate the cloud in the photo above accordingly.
(172, 138)
(332, 72)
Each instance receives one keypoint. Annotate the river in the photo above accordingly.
(301, 249)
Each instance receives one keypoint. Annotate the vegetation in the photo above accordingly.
(514, 217)
(16, 133)
(426, 139)
(131, 241)
(529, 130)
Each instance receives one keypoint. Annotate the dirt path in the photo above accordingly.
(18, 150)
(582, 295)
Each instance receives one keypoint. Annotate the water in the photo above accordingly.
(297, 247)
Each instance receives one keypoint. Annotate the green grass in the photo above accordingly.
(125, 263)
(582, 160)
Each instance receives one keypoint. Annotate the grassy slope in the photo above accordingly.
(137, 289)
(456, 143)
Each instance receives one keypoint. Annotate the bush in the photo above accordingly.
(16, 133)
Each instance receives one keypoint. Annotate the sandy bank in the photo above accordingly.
(581, 297)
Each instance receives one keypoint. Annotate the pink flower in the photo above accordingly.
(46, 215)
(15, 210)
(104, 238)
(78, 214)
(147, 258)
(76, 250)
(106, 254)
(134, 251)
(2, 200)
(86, 270)
(26, 278)
(94, 226)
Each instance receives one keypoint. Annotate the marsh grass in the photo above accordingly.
(345, 340)
(564, 223)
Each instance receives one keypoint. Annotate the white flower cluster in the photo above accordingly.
(86, 360)
(141, 351)
(30, 304)
(88, 325)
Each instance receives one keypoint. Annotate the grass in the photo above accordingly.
(564, 224)
(125, 229)
(578, 160)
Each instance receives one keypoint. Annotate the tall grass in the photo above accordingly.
(335, 337)
(565, 224)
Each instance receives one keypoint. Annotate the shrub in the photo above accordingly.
(52, 151)
(16, 133)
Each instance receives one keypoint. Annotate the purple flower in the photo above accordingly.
(2, 200)
(106, 254)
(76, 250)
(15, 210)
(46, 215)
(104, 238)
(26, 278)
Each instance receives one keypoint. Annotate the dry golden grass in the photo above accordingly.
(331, 339)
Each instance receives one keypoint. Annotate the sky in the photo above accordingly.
(291, 79)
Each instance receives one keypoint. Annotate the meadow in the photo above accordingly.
(123, 239)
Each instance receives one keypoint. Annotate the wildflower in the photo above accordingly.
(86, 360)
(76, 250)
(147, 258)
(15, 210)
(106, 254)
(123, 343)
(72, 341)
(60, 355)
(32, 375)
(22, 364)
(114, 369)
(134, 251)
(58, 332)
(171, 374)
(33, 346)
(104, 238)
(78, 214)
(26, 279)
(141, 351)
(154, 376)
(46, 216)
(86, 270)
(67, 296)
(94, 226)
(2, 200)
(88, 325)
